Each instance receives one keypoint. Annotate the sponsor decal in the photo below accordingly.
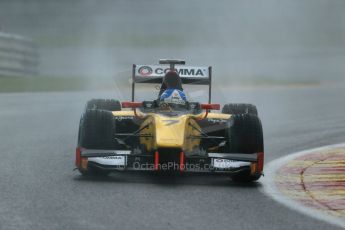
(182, 71)
(123, 152)
(226, 164)
(172, 100)
(121, 118)
(145, 70)
(215, 120)
(158, 71)
(109, 160)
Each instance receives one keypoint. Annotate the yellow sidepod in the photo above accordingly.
(148, 134)
(191, 138)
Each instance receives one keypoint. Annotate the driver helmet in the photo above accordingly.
(172, 80)
(174, 96)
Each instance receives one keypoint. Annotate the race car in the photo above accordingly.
(170, 134)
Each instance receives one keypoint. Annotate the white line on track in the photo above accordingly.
(270, 189)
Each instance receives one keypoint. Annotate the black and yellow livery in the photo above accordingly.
(155, 136)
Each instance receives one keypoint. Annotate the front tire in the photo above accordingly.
(245, 177)
(96, 131)
(245, 136)
(94, 172)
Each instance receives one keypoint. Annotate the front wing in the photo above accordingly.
(123, 160)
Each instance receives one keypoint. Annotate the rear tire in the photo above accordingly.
(104, 104)
(245, 136)
(240, 109)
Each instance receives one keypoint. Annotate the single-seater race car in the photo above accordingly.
(170, 133)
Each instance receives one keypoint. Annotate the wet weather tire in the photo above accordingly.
(94, 172)
(245, 136)
(96, 130)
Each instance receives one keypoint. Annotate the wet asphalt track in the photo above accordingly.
(40, 190)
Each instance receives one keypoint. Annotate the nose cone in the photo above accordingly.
(170, 132)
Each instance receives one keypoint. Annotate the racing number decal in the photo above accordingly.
(170, 122)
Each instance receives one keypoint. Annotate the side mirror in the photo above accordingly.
(133, 105)
(210, 106)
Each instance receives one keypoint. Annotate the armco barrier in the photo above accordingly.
(18, 56)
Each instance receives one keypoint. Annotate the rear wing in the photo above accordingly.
(154, 74)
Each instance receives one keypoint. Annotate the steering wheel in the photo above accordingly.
(165, 106)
